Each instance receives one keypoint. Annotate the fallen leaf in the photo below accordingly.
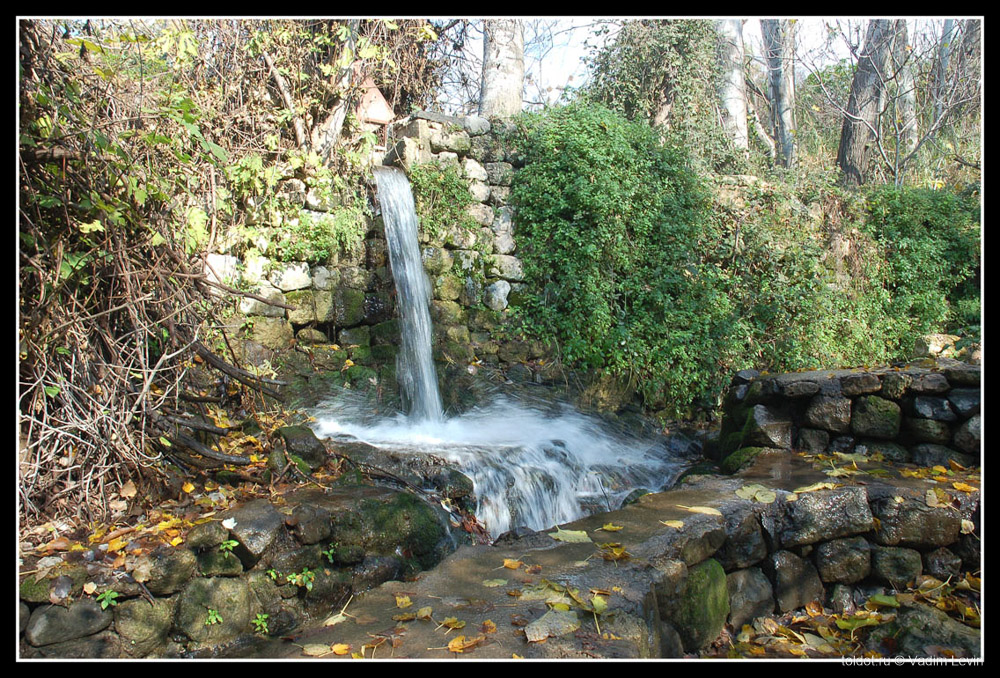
(511, 564)
(968, 527)
(676, 524)
(403, 601)
(453, 623)
(963, 487)
(552, 623)
(89, 587)
(424, 613)
(315, 650)
(493, 583)
(228, 523)
(533, 569)
(707, 510)
(570, 536)
(340, 648)
(128, 490)
(489, 627)
(188, 487)
(406, 616)
(611, 527)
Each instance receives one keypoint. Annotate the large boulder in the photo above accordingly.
(55, 624)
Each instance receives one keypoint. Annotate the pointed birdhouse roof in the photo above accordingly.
(373, 107)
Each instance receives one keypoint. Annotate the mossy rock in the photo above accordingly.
(405, 523)
(875, 417)
(740, 458)
(703, 606)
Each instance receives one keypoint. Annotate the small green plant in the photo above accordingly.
(108, 598)
(303, 579)
(213, 618)
(228, 546)
(273, 574)
(260, 624)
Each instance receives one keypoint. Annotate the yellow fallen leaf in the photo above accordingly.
(341, 648)
(403, 601)
(89, 587)
(489, 626)
(116, 544)
(963, 487)
(315, 649)
(707, 510)
(512, 564)
(453, 623)
(611, 527)
(188, 487)
(570, 536)
(176, 541)
(424, 613)
(493, 583)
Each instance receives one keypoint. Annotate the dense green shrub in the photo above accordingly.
(610, 226)
(930, 241)
(441, 197)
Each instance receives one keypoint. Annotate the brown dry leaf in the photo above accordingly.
(533, 569)
(813, 608)
(488, 626)
(128, 490)
(512, 564)
(461, 644)
(514, 593)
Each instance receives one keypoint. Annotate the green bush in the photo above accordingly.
(930, 241)
(610, 229)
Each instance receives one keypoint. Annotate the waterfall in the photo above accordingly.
(414, 364)
(533, 461)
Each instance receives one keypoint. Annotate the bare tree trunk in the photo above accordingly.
(907, 106)
(326, 135)
(779, 47)
(503, 68)
(732, 89)
(860, 130)
(941, 67)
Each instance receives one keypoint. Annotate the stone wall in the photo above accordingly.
(926, 413)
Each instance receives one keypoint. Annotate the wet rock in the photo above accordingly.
(701, 537)
(330, 588)
(453, 484)
(301, 442)
(875, 417)
(895, 385)
(918, 629)
(56, 624)
(912, 522)
(819, 516)
(750, 596)
(165, 570)
(671, 645)
(965, 401)
(844, 561)
(23, 614)
(767, 427)
(830, 413)
(216, 563)
(744, 545)
(813, 440)
(927, 430)
(206, 535)
(895, 565)
(799, 388)
(231, 600)
(968, 436)
(931, 407)
(105, 645)
(929, 454)
(375, 570)
(258, 524)
(890, 451)
(934, 382)
(859, 384)
(703, 606)
(942, 563)
(841, 599)
(296, 560)
(309, 524)
(961, 374)
(144, 628)
(794, 580)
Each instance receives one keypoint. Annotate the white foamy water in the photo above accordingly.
(530, 466)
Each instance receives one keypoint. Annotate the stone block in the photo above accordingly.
(794, 580)
(843, 560)
(750, 596)
(875, 417)
(830, 413)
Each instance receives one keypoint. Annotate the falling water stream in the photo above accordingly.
(533, 462)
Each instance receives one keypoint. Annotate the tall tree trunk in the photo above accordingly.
(732, 88)
(326, 135)
(503, 68)
(779, 49)
(941, 68)
(906, 100)
(860, 128)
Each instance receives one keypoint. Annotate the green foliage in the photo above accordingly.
(317, 238)
(930, 241)
(108, 599)
(260, 624)
(227, 546)
(303, 579)
(213, 618)
(665, 73)
(441, 197)
(610, 223)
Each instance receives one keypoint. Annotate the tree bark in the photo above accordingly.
(732, 88)
(861, 118)
(503, 68)
(941, 68)
(779, 48)
(907, 97)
